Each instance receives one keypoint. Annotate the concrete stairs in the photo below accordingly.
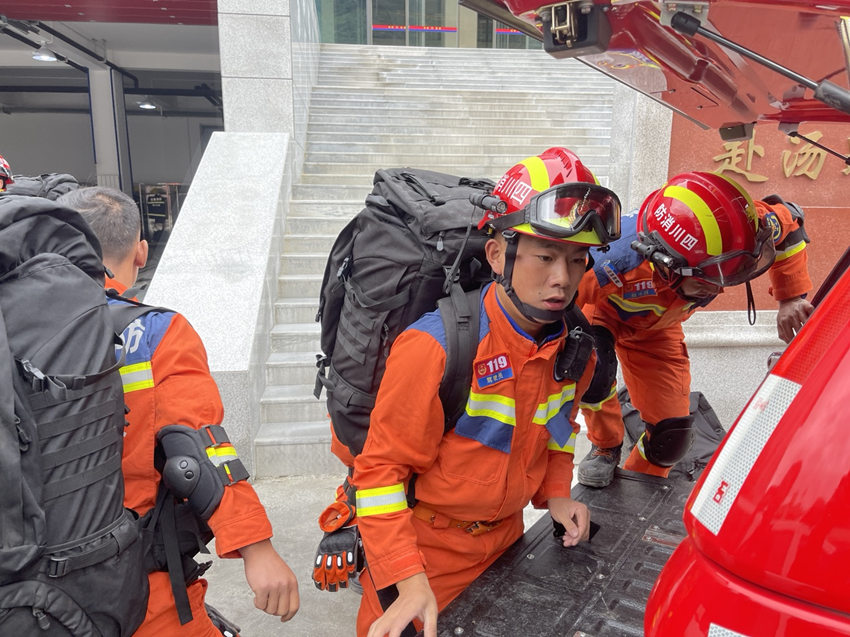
(472, 112)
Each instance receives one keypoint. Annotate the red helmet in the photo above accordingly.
(706, 226)
(6, 171)
(553, 195)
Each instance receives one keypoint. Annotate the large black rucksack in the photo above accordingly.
(71, 561)
(49, 185)
(414, 243)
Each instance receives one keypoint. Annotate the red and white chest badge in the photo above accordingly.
(492, 370)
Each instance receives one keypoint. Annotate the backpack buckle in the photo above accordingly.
(57, 567)
(34, 375)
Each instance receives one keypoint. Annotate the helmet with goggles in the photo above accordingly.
(555, 196)
(705, 226)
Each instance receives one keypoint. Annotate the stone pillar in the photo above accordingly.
(109, 130)
(256, 65)
(640, 145)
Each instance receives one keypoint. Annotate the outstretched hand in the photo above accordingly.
(273, 582)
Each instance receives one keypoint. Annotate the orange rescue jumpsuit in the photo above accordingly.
(167, 381)
(624, 294)
(514, 444)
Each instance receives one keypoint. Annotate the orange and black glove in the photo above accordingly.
(339, 556)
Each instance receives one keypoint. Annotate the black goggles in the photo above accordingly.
(566, 211)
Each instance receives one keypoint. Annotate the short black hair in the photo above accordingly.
(111, 214)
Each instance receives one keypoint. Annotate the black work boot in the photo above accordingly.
(597, 468)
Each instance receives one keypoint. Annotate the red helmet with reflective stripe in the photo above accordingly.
(553, 195)
(706, 226)
(6, 172)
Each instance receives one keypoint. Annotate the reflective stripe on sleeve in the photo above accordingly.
(790, 251)
(221, 454)
(381, 500)
(136, 376)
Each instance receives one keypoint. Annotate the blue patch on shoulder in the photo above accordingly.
(619, 258)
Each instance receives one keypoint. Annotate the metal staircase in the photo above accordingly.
(471, 112)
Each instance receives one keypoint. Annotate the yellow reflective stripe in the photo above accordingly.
(790, 252)
(598, 406)
(633, 306)
(537, 173)
(546, 411)
(639, 446)
(381, 500)
(221, 454)
(570, 447)
(713, 238)
(136, 376)
(501, 408)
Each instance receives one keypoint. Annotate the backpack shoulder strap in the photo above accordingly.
(461, 319)
(125, 313)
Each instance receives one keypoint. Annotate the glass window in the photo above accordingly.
(342, 21)
(389, 22)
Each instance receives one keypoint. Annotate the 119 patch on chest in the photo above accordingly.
(493, 370)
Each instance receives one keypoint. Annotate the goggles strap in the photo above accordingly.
(751, 305)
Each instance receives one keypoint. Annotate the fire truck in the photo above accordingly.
(760, 543)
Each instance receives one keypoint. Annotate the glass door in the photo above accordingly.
(432, 23)
(389, 22)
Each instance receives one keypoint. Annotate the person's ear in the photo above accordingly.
(494, 250)
(140, 258)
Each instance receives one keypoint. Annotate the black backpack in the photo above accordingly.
(49, 185)
(71, 558)
(416, 242)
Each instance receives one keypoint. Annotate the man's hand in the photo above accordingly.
(273, 582)
(791, 316)
(415, 599)
(575, 518)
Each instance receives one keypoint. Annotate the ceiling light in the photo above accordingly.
(146, 104)
(43, 54)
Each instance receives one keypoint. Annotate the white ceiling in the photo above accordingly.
(161, 55)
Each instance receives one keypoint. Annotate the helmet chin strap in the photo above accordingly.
(528, 311)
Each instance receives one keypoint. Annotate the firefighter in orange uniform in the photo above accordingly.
(514, 442)
(167, 381)
(691, 238)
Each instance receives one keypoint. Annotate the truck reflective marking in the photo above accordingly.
(745, 442)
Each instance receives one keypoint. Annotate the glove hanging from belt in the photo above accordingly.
(340, 552)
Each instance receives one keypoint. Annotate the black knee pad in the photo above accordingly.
(669, 440)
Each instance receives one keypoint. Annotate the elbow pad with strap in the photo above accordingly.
(605, 372)
(578, 346)
(198, 464)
